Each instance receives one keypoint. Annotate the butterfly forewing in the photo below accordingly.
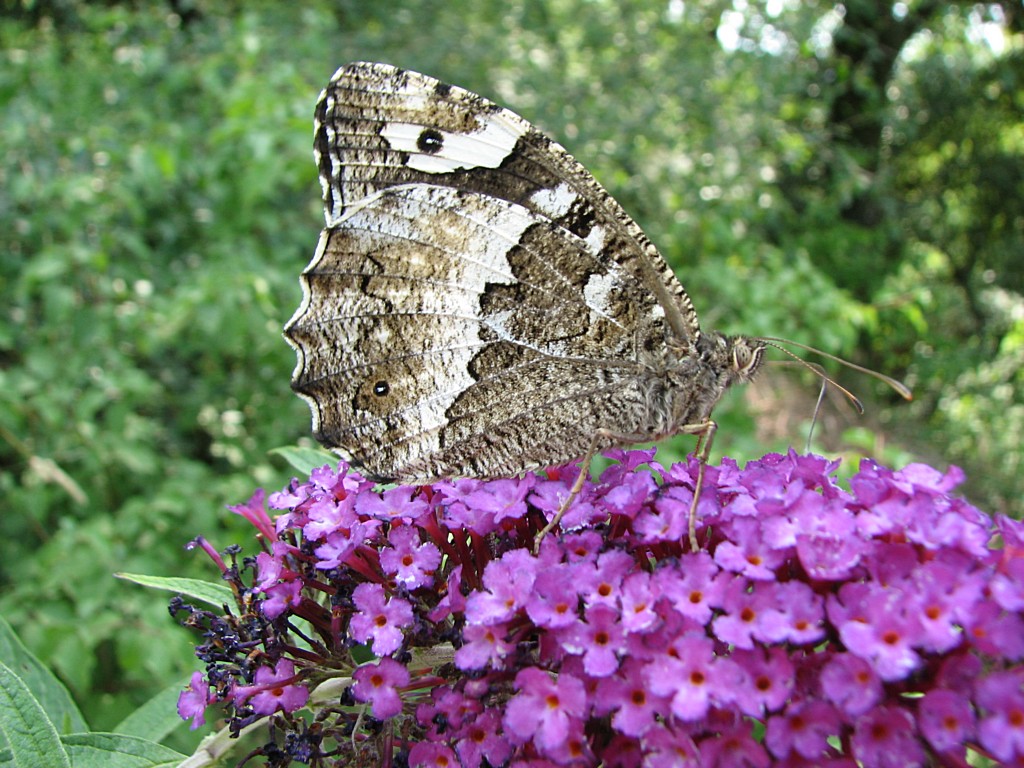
(378, 126)
(478, 305)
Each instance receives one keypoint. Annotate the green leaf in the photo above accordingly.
(45, 687)
(216, 595)
(30, 734)
(305, 460)
(157, 718)
(116, 750)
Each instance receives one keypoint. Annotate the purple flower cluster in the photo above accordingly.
(880, 626)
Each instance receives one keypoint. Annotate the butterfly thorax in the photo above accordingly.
(686, 392)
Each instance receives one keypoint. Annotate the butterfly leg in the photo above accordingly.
(705, 436)
(573, 492)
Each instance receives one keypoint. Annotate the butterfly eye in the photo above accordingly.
(746, 359)
(430, 141)
(381, 388)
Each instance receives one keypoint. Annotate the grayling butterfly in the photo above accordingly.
(478, 305)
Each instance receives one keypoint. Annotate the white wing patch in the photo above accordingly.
(595, 240)
(597, 292)
(554, 202)
(484, 148)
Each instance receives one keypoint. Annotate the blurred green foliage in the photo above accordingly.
(848, 180)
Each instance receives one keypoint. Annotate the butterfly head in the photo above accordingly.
(736, 358)
(746, 356)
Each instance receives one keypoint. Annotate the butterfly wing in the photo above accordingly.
(478, 305)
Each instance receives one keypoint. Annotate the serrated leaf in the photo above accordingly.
(117, 750)
(44, 685)
(305, 460)
(214, 594)
(30, 734)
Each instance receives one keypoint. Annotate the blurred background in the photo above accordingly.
(847, 175)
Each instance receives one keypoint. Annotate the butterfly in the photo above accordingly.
(478, 305)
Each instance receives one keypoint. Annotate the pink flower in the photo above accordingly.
(545, 710)
(379, 619)
(273, 690)
(378, 684)
(885, 737)
(1000, 696)
(408, 560)
(192, 702)
(790, 639)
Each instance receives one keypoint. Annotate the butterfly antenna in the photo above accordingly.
(898, 386)
(825, 378)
